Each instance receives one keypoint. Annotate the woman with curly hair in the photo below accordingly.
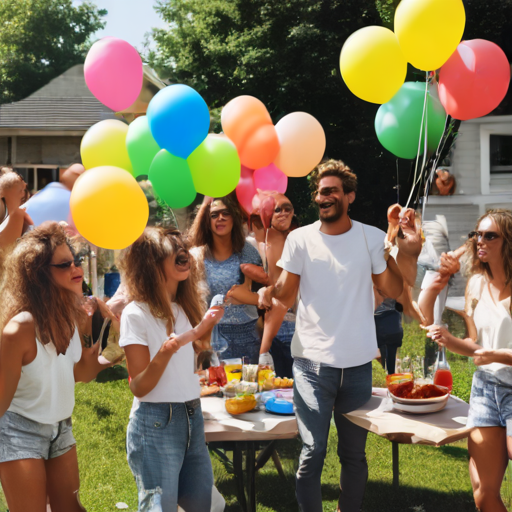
(218, 238)
(165, 439)
(488, 308)
(41, 358)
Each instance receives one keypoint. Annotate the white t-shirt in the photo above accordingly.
(335, 324)
(178, 383)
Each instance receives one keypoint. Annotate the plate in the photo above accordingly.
(420, 409)
(279, 406)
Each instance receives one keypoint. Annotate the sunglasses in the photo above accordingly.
(183, 260)
(488, 236)
(225, 213)
(77, 261)
(286, 208)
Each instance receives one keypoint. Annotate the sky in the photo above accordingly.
(128, 19)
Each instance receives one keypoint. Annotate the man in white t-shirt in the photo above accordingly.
(334, 262)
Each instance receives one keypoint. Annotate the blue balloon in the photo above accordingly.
(51, 203)
(178, 119)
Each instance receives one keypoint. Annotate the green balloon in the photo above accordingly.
(398, 121)
(215, 166)
(141, 146)
(171, 179)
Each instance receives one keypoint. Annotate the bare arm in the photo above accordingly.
(390, 282)
(465, 347)
(487, 356)
(17, 347)
(285, 291)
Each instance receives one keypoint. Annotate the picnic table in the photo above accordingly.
(435, 429)
(245, 433)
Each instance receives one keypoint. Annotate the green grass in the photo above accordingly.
(431, 479)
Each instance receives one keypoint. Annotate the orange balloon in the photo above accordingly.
(261, 148)
(242, 116)
(302, 141)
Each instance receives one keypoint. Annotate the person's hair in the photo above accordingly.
(334, 168)
(143, 274)
(30, 287)
(200, 233)
(9, 179)
(503, 219)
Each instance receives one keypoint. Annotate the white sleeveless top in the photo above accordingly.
(492, 319)
(46, 389)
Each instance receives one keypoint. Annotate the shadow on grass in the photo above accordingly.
(276, 494)
(455, 452)
(117, 372)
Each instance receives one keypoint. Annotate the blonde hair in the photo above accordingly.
(142, 270)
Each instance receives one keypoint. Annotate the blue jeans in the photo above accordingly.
(318, 391)
(168, 457)
(280, 350)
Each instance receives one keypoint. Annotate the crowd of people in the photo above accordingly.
(314, 305)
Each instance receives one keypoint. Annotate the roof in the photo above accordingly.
(64, 104)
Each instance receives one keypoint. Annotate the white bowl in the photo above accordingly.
(421, 409)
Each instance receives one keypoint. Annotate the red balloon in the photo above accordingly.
(245, 190)
(474, 80)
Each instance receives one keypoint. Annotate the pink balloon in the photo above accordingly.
(245, 190)
(474, 80)
(270, 178)
(267, 207)
(113, 72)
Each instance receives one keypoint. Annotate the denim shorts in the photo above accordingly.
(490, 404)
(21, 438)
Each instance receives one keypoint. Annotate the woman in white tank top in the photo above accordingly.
(41, 357)
(488, 308)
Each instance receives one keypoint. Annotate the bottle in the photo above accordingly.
(218, 342)
(266, 372)
(442, 373)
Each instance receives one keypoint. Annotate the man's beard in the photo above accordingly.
(336, 215)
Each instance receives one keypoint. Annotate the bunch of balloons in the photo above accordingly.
(270, 154)
(473, 79)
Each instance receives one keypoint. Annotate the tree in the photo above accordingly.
(286, 53)
(39, 40)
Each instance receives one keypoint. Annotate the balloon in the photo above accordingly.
(242, 116)
(245, 190)
(398, 121)
(270, 178)
(429, 30)
(260, 148)
(179, 119)
(372, 64)
(171, 178)
(267, 207)
(215, 166)
(109, 208)
(113, 72)
(51, 203)
(104, 143)
(302, 141)
(474, 80)
(141, 146)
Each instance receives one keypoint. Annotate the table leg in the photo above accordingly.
(264, 455)
(396, 474)
(278, 465)
(239, 475)
(251, 476)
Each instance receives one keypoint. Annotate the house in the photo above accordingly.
(481, 162)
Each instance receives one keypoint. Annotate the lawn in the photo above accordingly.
(431, 479)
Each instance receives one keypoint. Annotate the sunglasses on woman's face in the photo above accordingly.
(77, 261)
(487, 236)
(216, 214)
(286, 208)
(182, 261)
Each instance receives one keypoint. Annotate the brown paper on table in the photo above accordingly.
(436, 428)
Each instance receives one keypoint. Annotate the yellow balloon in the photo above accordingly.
(108, 207)
(429, 31)
(372, 64)
(104, 143)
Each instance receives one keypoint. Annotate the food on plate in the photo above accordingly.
(284, 382)
(400, 383)
(266, 378)
(404, 386)
(217, 375)
(241, 404)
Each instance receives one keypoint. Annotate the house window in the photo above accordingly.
(500, 153)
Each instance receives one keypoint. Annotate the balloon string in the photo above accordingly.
(417, 178)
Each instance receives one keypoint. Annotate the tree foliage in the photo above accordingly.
(286, 53)
(39, 40)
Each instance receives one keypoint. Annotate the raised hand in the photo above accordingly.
(409, 236)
